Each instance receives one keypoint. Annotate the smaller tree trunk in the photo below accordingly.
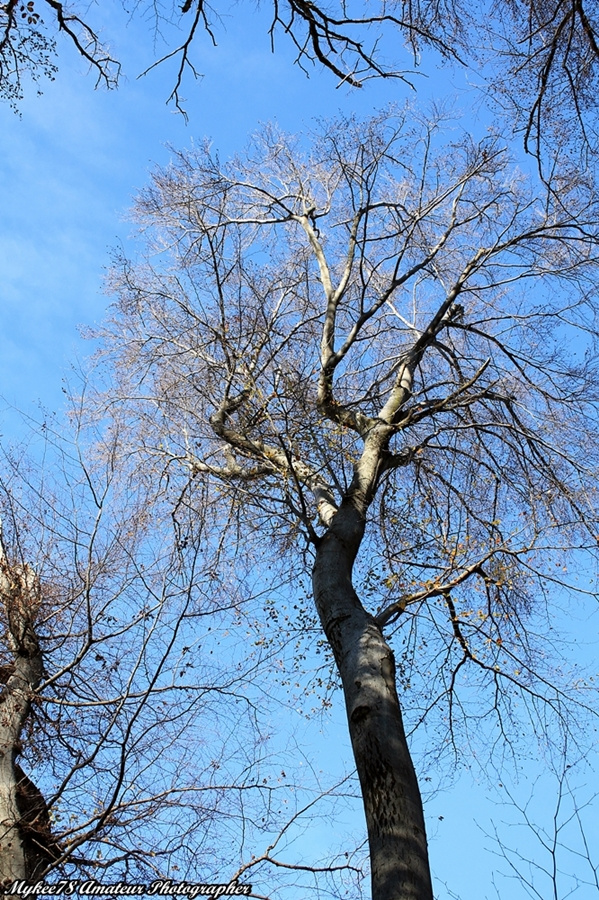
(21, 857)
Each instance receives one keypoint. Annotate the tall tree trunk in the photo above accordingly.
(392, 801)
(21, 857)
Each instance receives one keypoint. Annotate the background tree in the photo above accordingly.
(141, 723)
(26, 839)
(369, 359)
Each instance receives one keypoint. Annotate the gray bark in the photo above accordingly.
(22, 855)
(392, 801)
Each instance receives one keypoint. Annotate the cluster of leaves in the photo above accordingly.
(25, 48)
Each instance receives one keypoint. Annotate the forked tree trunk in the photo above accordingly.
(21, 855)
(18, 857)
(392, 801)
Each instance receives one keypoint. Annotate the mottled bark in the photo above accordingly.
(23, 815)
(392, 801)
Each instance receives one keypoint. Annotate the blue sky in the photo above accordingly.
(69, 168)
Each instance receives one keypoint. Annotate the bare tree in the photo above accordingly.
(369, 360)
(551, 53)
(561, 862)
(127, 697)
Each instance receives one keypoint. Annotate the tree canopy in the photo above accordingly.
(374, 360)
(341, 433)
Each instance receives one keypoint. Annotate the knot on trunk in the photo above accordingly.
(359, 714)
